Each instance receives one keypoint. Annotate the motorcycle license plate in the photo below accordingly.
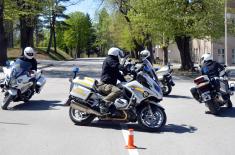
(206, 96)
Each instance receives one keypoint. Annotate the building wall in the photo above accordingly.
(218, 48)
(173, 53)
(200, 47)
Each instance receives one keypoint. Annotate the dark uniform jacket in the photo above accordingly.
(212, 68)
(32, 61)
(111, 71)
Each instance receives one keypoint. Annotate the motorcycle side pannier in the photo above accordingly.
(82, 87)
(40, 83)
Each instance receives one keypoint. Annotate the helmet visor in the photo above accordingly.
(30, 54)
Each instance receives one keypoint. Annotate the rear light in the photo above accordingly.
(203, 87)
(201, 79)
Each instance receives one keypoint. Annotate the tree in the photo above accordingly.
(141, 39)
(3, 42)
(53, 10)
(28, 14)
(91, 48)
(180, 21)
(77, 35)
(103, 40)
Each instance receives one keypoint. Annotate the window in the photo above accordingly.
(233, 56)
(221, 56)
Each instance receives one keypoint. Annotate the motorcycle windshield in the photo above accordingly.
(20, 67)
(149, 69)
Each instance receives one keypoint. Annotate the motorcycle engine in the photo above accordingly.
(120, 103)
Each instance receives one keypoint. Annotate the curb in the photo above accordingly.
(45, 66)
(40, 67)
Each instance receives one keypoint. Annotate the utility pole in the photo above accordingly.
(226, 34)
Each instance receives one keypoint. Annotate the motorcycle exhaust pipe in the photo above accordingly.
(81, 107)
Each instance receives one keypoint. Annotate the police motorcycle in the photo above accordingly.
(164, 75)
(139, 102)
(18, 84)
(215, 92)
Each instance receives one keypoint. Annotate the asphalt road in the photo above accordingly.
(43, 127)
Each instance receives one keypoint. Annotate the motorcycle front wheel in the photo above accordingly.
(80, 118)
(166, 90)
(151, 121)
(6, 101)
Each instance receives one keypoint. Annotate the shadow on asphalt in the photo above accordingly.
(173, 128)
(69, 74)
(10, 123)
(179, 128)
(37, 105)
(179, 96)
(225, 112)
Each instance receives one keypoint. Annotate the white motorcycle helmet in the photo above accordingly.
(144, 54)
(205, 57)
(116, 52)
(29, 53)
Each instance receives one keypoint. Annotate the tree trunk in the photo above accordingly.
(26, 32)
(37, 40)
(183, 46)
(3, 40)
(9, 32)
(77, 51)
(138, 48)
(50, 41)
(150, 48)
(54, 36)
(52, 33)
(165, 55)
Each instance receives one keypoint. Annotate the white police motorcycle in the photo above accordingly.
(139, 102)
(164, 75)
(19, 83)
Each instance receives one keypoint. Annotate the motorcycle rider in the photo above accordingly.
(211, 69)
(110, 74)
(29, 56)
(145, 54)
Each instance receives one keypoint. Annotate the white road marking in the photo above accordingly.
(125, 134)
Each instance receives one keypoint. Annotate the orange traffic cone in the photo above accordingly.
(131, 140)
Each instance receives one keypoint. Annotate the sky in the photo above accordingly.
(86, 6)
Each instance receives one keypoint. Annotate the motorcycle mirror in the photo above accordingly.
(225, 66)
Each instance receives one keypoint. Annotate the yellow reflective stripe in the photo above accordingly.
(85, 84)
(79, 91)
(139, 89)
(89, 79)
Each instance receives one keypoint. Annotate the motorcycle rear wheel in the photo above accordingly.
(213, 107)
(80, 118)
(149, 122)
(6, 101)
